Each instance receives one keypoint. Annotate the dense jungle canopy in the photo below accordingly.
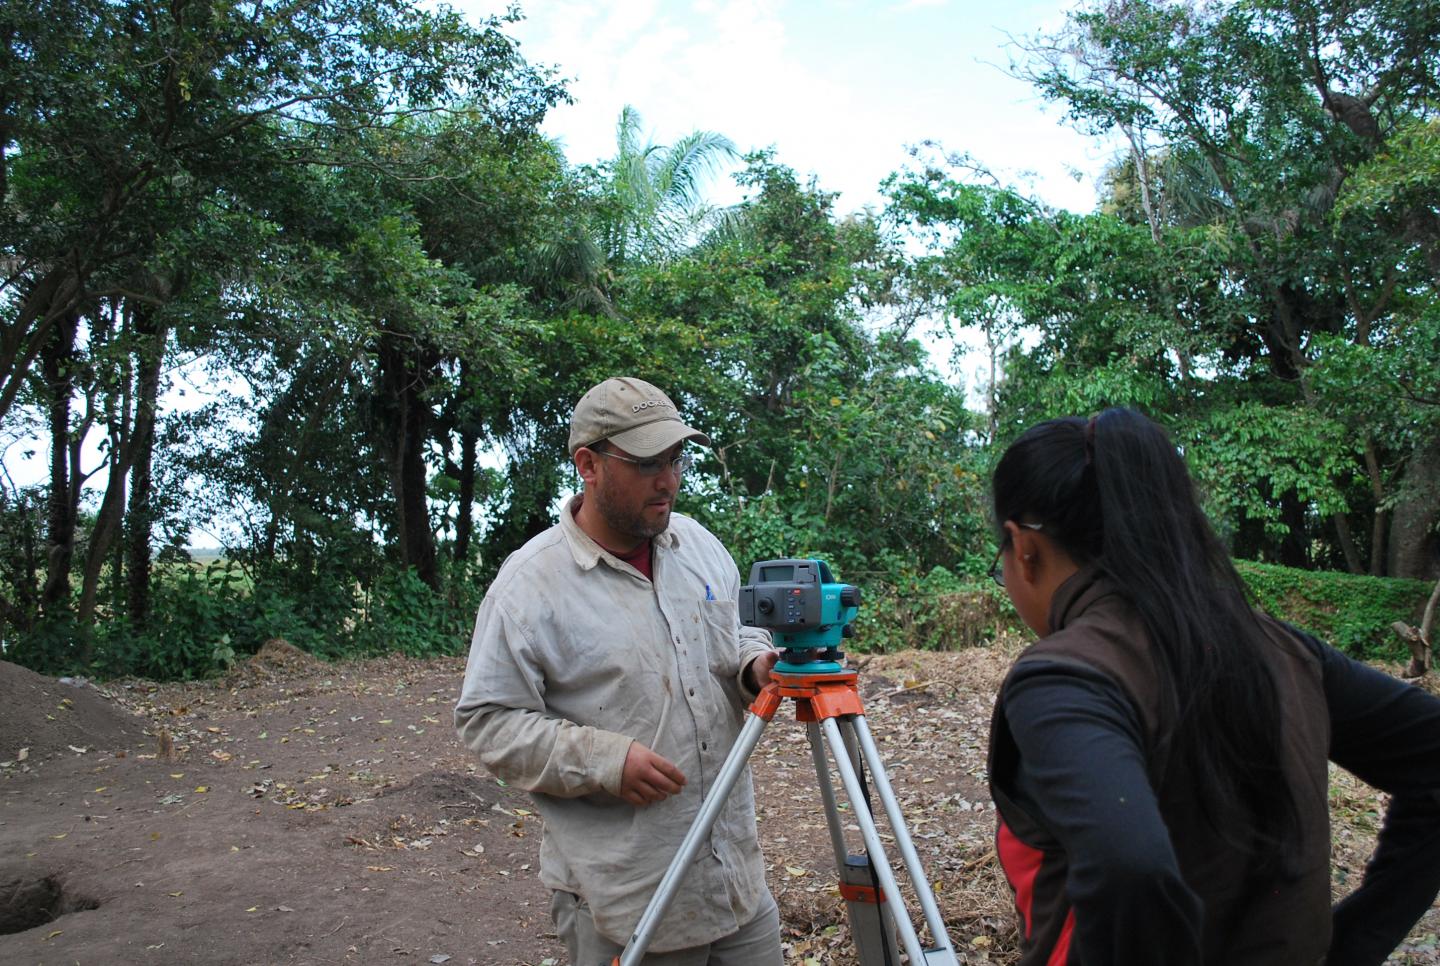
(344, 216)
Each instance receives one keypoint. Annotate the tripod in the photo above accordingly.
(829, 704)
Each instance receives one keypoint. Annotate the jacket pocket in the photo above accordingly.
(720, 621)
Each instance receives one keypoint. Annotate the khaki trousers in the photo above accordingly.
(757, 943)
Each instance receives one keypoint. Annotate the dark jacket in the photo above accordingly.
(1102, 833)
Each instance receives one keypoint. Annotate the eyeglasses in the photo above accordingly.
(997, 572)
(652, 467)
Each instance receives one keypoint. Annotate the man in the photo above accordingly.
(608, 676)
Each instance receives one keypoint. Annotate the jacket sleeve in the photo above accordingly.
(1386, 733)
(1082, 768)
(502, 718)
(752, 641)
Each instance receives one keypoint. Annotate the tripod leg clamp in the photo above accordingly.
(871, 895)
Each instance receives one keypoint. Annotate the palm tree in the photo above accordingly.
(654, 205)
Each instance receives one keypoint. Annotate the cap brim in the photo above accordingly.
(652, 439)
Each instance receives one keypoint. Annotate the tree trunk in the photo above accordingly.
(106, 532)
(465, 472)
(465, 512)
(139, 520)
(1353, 563)
(1294, 548)
(1427, 622)
(407, 414)
(1414, 545)
(1377, 527)
(56, 366)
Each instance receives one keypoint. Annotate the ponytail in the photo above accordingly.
(1112, 491)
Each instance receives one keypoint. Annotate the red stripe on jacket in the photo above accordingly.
(1022, 863)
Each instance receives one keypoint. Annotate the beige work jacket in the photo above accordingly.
(576, 654)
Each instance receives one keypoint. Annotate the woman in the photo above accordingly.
(1158, 758)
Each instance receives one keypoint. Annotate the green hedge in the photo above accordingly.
(1351, 611)
(945, 611)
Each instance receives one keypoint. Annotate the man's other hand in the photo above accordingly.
(757, 672)
(648, 777)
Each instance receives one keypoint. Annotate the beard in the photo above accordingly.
(628, 520)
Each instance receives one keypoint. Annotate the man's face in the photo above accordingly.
(632, 504)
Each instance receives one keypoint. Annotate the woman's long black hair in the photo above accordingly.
(1113, 491)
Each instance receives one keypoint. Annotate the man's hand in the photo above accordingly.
(757, 672)
(648, 777)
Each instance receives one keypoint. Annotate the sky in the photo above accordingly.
(839, 89)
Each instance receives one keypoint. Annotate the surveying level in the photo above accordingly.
(809, 614)
(804, 609)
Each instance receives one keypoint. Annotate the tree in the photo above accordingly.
(149, 131)
(833, 434)
(652, 203)
(1285, 102)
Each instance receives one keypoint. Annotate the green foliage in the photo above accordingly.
(22, 543)
(1405, 173)
(1350, 611)
(934, 611)
(652, 205)
(1262, 276)
(407, 617)
(208, 618)
(1283, 448)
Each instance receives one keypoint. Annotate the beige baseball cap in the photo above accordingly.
(633, 415)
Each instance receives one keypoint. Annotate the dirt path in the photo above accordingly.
(316, 814)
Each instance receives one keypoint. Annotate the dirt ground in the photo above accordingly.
(299, 812)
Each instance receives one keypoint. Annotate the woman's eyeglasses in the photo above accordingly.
(997, 571)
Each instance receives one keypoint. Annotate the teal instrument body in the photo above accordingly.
(806, 610)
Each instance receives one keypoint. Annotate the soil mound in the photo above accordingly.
(436, 789)
(43, 717)
(278, 654)
(276, 658)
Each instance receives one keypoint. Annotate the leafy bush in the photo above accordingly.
(407, 617)
(937, 611)
(204, 619)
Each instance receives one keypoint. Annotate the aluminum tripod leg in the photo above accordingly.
(872, 925)
(942, 954)
(819, 701)
(827, 793)
(903, 842)
(730, 772)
